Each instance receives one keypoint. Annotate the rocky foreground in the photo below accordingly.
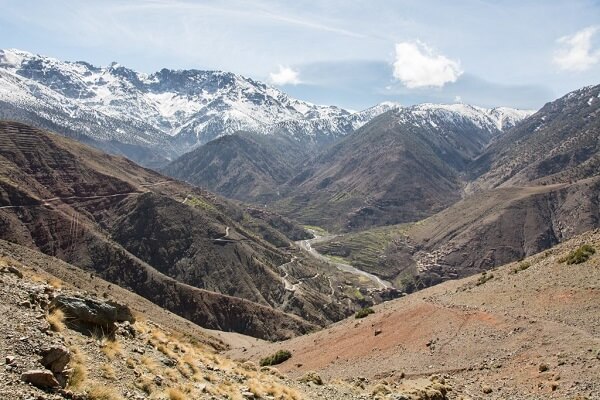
(73, 340)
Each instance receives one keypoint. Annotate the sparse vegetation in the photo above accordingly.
(580, 255)
(484, 278)
(111, 348)
(521, 267)
(362, 313)
(176, 394)
(200, 203)
(277, 358)
(102, 392)
(79, 374)
(108, 372)
(56, 319)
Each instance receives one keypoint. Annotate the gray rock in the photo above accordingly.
(41, 378)
(91, 310)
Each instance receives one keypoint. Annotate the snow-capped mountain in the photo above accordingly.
(193, 106)
(156, 117)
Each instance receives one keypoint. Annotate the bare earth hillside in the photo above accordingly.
(526, 330)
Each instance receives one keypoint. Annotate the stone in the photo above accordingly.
(487, 390)
(10, 360)
(41, 378)
(378, 332)
(55, 358)
(158, 380)
(91, 310)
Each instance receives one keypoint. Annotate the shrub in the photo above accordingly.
(364, 312)
(277, 358)
(580, 255)
(521, 267)
(484, 278)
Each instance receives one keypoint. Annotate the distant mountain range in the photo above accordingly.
(153, 118)
(402, 165)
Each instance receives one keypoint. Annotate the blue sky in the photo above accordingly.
(350, 53)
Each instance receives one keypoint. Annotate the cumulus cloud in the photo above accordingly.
(285, 76)
(575, 52)
(417, 65)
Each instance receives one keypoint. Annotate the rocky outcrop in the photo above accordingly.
(92, 310)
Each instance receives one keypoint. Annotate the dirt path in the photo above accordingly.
(46, 202)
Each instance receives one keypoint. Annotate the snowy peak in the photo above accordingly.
(188, 107)
(196, 106)
(490, 119)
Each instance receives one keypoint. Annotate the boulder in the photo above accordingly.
(91, 310)
(56, 358)
(41, 378)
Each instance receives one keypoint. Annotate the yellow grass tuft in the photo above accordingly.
(56, 319)
(102, 392)
(78, 364)
(145, 383)
(111, 348)
(176, 394)
(108, 372)
(149, 363)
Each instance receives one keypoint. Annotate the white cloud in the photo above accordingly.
(575, 52)
(285, 76)
(417, 65)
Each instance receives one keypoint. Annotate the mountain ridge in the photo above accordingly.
(163, 114)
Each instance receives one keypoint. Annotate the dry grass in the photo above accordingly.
(171, 374)
(102, 392)
(108, 372)
(176, 394)
(56, 319)
(55, 283)
(149, 363)
(145, 384)
(111, 348)
(78, 364)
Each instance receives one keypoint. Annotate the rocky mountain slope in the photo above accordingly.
(260, 169)
(172, 243)
(525, 214)
(402, 166)
(493, 336)
(560, 143)
(243, 166)
(64, 337)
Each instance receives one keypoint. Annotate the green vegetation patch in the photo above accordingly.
(317, 229)
(580, 255)
(277, 358)
(200, 203)
(363, 312)
(363, 249)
